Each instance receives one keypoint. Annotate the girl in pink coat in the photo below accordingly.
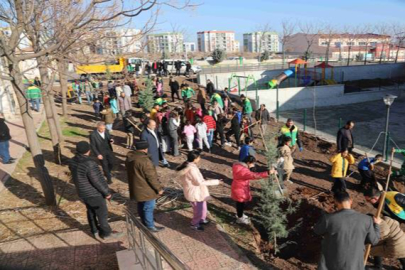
(195, 189)
(240, 185)
(189, 131)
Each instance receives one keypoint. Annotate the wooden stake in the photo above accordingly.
(264, 142)
(380, 205)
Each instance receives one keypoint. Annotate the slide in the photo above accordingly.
(278, 79)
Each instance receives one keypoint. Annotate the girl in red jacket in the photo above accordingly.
(240, 185)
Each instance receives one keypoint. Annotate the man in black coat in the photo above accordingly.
(345, 138)
(235, 130)
(177, 65)
(92, 190)
(210, 88)
(174, 88)
(151, 135)
(5, 142)
(100, 141)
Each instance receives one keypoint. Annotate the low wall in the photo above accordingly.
(320, 96)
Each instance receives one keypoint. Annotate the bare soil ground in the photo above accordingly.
(23, 214)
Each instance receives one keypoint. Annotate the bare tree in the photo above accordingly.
(383, 30)
(311, 31)
(351, 33)
(328, 34)
(366, 31)
(398, 31)
(261, 33)
(288, 29)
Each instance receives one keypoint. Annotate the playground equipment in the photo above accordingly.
(324, 66)
(280, 78)
(233, 88)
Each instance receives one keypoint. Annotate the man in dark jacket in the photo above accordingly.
(151, 135)
(344, 234)
(263, 115)
(235, 130)
(177, 65)
(345, 138)
(100, 141)
(210, 88)
(144, 186)
(5, 142)
(174, 88)
(92, 190)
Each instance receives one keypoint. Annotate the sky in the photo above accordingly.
(244, 16)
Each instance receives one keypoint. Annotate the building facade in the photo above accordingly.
(119, 42)
(260, 42)
(208, 41)
(169, 42)
(189, 47)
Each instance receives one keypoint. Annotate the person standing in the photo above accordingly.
(202, 138)
(150, 135)
(201, 98)
(290, 130)
(340, 164)
(344, 234)
(189, 131)
(127, 90)
(366, 169)
(5, 138)
(88, 90)
(100, 141)
(144, 186)
(210, 88)
(394, 203)
(109, 117)
(287, 162)
(92, 190)
(174, 88)
(178, 67)
(187, 93)
(345, 138)
(235, 130)
(98, 107)
(124, 103)
(240, 188)
(195, 189)
(34, 96)
(37, 82)
(114, 105)
(211, 127)
(263, 115)
(216, 97)
(247, 107)
(247, 150)
(174, 124)
(391, 244)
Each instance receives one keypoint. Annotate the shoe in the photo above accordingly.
(209, 150)
(228, 144)
(13, 159)
(109, 182)
(205, 222)
(95, 235)
(156, 229)
(290, 182)
(113, 235)
(9, 162)
(167, 165)
(197, 228)
(243, 220)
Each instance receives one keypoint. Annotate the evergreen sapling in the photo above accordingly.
(146, 100)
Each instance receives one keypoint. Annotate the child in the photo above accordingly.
(98, 107)
(114, 105)
(247, 149)
(189, 131)
(195, 189)
(109, 117)
(106, 99)
(202, 134)
(240, 189)
(286, 163)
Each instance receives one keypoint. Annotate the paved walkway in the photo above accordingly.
(18, 143)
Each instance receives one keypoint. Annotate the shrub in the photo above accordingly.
(218, 55)
(146, 100)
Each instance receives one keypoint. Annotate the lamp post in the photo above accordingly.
(388, 100)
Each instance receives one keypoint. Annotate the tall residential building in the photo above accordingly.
(169, 42)
(118, 42)
(208, 41)
(189, 47)
(260, 42)
(237, 46)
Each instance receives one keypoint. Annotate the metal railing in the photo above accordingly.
(149, 252)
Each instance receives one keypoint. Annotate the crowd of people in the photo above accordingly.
(205, 119)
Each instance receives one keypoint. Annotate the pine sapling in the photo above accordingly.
(146, 100)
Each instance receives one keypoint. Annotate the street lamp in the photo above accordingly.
(388, 100)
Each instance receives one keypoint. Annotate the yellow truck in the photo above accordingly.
(114, 66)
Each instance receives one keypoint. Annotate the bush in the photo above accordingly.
(218, 55)
(265, 56)
(146, 100)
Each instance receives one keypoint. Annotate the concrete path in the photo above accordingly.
(18, 143)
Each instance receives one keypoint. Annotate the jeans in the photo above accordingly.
(145, 212)
(5, 151)
(199, 212)
(89, 97)
(35, 103)
(210, 136)
(97, 215)
(174, 140)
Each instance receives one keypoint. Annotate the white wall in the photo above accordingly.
(321, 96)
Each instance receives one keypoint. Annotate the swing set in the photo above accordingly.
(234, 84)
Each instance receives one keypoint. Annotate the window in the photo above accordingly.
(350, 43)
(324, 43)
(338, 44)
(373, 44)
(362, 43)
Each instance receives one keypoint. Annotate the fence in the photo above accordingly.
(149, 252)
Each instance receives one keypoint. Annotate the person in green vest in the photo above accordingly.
(34, 96)
(160, 101)
(290, 130)
(187, 93)
(217, 97)
(247, 107)
(401, 172)
(394, 204)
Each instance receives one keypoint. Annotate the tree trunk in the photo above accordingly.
(32, 138)
(382, 51)
(63, 85)
(51, 115)
(365, 53)
(348, 55)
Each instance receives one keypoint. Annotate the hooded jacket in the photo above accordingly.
(392, 240)
(240, 189)
(142, 177)
(194, 185)
(87, 177)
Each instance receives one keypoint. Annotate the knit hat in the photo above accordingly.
(141, 145)
(82, 147)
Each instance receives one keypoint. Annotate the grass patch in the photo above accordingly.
(74, 131)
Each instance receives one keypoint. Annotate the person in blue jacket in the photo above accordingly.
(247, 149)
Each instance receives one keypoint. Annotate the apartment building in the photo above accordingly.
(169, 42)
(189, 47)
(119, 42)
(208, 41)
(260, 42)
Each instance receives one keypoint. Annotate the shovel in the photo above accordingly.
(279, 193)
